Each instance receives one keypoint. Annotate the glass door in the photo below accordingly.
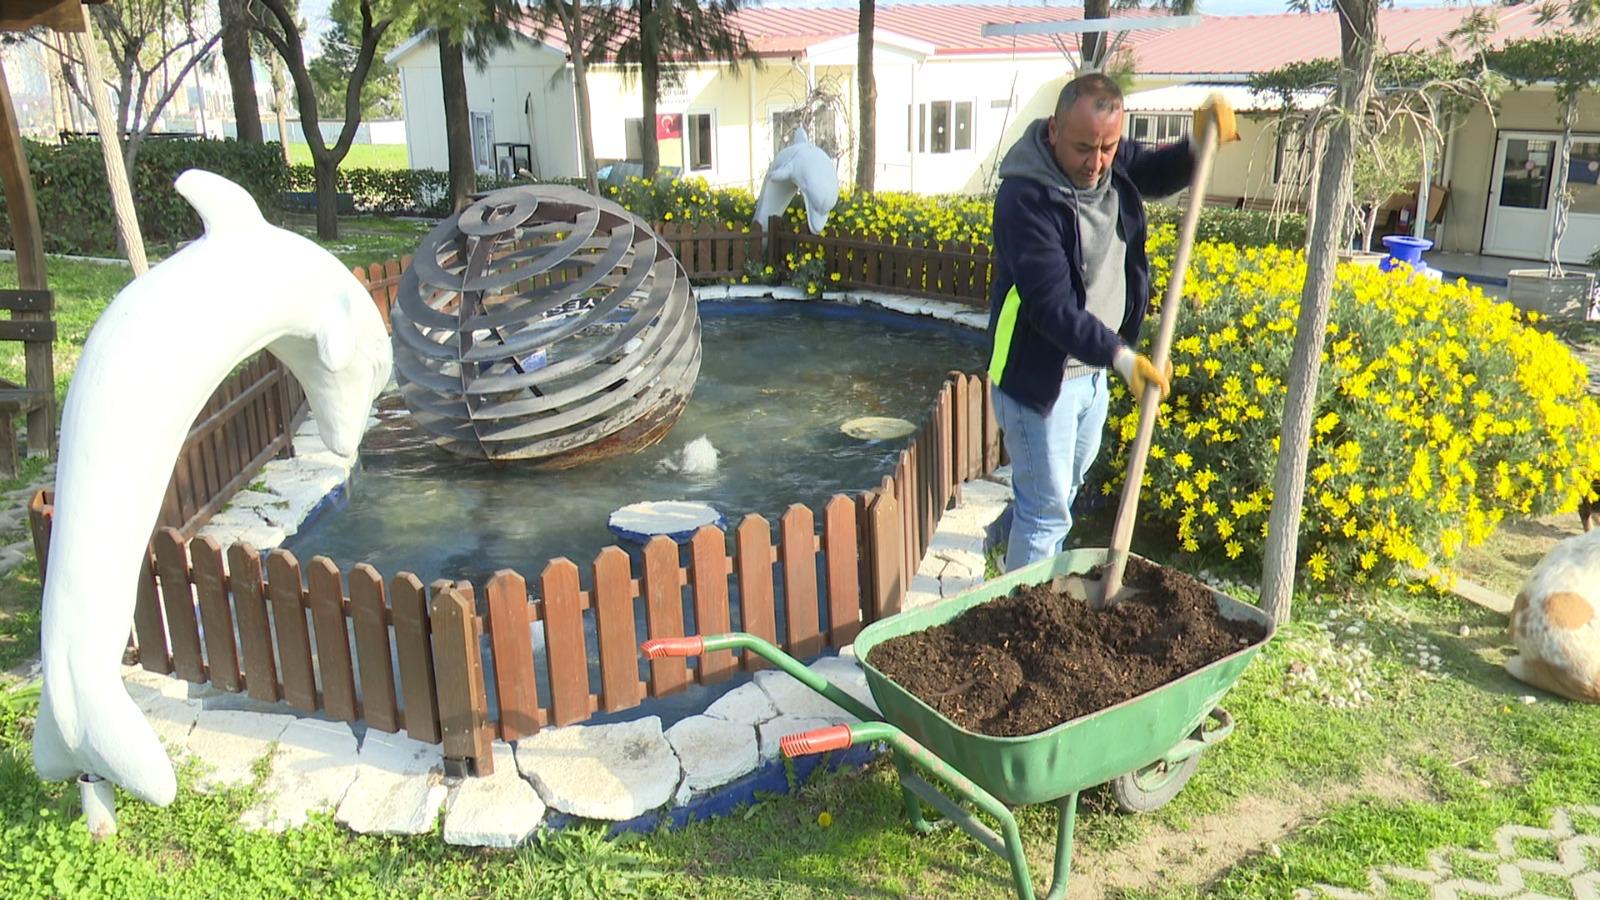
(1520, 209)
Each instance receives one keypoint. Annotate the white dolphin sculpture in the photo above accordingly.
(800, 168)
(150, 363)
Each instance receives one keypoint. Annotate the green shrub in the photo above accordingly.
(1241, 227)
(74, 197)
(1439, 413)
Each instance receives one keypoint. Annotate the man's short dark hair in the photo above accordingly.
(1094, 86)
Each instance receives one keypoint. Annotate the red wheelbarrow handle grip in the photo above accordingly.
(820, 740)
(655, 648)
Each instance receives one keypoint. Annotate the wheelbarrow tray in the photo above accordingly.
(1078, 753)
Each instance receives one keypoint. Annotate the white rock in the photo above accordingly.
(712, 751)
(230, 742)
(746, 704)
(166, 706)
(601, 771)
(399, 787)
(776, 730)
(1001, 476)
(845, 673)
(313, 766)
(499, 810)
(795, 699)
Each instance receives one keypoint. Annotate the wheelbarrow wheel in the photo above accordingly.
(1152, 787)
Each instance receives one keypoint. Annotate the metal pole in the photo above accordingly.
(99, 801)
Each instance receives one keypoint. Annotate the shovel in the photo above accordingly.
(1102, 587)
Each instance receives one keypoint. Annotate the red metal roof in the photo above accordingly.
(1245, 44)
(1220, 45)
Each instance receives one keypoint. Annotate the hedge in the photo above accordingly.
(74, 198)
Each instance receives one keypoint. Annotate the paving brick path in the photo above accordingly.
(1526, 863)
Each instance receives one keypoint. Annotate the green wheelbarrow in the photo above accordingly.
(1147, 747)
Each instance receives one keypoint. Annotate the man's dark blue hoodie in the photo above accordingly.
(1038, 313)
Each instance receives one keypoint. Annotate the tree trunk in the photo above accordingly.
(127, 218)
(650, 79)
(457, 122)
(241, 80)
(1358, 36)
(867, 141)
(1092, 45)
(327, 171)
(1569, 118)
(580, 87)
(278, 98)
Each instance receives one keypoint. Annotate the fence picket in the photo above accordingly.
(463, 706)
(216, 615)
(844, 583)
(565, 652)
(799, 555)
(620, 687)
(708, 572)
(515, 683)
(413, 644)
(370, 621)
(664, 612)
(149, 627)
(886, 539)
(754, 565)
(958, 432)
(333, 641)
(974, 430)
(255, 629)
(294, 638)
(177, 601)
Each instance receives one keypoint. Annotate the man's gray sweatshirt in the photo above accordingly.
(1102, 244)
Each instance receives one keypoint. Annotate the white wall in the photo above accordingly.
(516, 90)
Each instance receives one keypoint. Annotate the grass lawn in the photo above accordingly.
(1302, 793)
(361, 156)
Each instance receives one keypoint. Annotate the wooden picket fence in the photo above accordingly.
(401, 656)
(250, 418)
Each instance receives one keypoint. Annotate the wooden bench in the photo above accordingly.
(30, 323)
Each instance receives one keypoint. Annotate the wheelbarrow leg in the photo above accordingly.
(1064, 829)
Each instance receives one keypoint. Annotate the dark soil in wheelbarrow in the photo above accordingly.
(1025, 663)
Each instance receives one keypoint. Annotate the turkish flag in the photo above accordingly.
(669, 125)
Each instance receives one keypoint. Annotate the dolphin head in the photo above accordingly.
(349, 369)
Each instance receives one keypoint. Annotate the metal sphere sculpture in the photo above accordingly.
(543, 323)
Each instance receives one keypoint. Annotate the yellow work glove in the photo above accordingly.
(1138, 371)
(1216, 107)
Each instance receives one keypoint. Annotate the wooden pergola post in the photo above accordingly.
(27, 236)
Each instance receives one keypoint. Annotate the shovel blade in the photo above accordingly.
(1090, 587)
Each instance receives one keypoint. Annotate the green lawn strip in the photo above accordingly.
(1522, 762)
(361, 156)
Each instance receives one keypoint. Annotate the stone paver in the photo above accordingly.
(795, 699)
(1572, 848)
(230, 742)
(499, 810)
(399, 787)
(312, 768)
(712, 751)
(166, 706)
(746, 704)
(612, 772)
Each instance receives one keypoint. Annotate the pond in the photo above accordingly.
(776, 383)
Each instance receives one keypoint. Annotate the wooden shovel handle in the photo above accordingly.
(1128, 509)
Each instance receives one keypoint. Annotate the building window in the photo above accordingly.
(943, 126)
(1157, 128)
(1291, 162)
(699, 138)
(483, 141)
(633, 138)
(820, 125)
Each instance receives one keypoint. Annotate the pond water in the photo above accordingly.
(777, 382)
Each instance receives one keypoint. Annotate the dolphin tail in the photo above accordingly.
(223, 206)
(118, 744)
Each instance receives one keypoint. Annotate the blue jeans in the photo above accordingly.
(1050, 454)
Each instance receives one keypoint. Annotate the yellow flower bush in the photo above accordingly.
(1439, 412)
